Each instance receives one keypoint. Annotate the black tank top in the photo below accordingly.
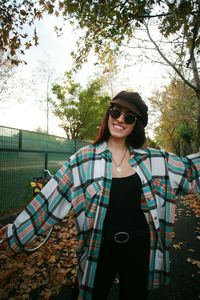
(124, 211)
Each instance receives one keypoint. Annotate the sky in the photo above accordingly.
(25, 105)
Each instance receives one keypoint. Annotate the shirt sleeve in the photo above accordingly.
(50, 206)
(184, 173)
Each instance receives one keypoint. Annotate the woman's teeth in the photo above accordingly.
(118, 127)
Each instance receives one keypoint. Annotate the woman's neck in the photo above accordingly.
(117, 144)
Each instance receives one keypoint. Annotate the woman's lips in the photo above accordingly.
(118, 127)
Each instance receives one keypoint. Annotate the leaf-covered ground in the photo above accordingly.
(43, 273)
(47, 272)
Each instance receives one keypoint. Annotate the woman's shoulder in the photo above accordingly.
(84, 152)
(153, 151)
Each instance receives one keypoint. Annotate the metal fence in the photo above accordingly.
(24, 155)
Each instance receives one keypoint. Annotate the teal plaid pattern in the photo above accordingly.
(83, 184)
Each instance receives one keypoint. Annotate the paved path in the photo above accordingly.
(185, 277)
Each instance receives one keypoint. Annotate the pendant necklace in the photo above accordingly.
(118, 168)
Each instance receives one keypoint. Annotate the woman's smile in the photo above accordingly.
(118, 127)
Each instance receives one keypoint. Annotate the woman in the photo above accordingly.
(123, 197)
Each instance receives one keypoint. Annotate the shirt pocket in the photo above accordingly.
(92, 199)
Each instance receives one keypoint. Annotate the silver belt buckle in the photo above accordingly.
(121, 237)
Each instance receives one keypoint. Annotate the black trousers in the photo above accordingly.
(130, 262)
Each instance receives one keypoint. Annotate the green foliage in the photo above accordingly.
(106, 23)
(80, 109)
(185, 132)
(176, 111)
(151, 143)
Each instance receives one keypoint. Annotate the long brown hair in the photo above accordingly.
(136, 139)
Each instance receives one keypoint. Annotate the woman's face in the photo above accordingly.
(118, 128)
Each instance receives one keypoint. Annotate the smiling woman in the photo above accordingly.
(123, 196)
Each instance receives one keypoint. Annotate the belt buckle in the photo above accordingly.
(124, 237)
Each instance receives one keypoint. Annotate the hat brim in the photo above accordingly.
(126, 104)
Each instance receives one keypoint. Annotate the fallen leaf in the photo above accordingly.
(178, 246)
(191, 250)
(193, 261)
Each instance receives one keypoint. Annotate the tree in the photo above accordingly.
(14, 15)
(6, 71)
(32, 86)
(108, 24)
(151, 143)
(80, 109)
(45, 77)
(183, 58)
(175, 130)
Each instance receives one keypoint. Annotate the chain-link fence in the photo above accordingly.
(24, 155)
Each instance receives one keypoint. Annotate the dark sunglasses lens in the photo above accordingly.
(115, 113)
(129, 119)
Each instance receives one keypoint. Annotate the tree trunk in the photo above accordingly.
(198, 121)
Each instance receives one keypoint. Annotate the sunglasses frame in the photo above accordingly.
(128, 114)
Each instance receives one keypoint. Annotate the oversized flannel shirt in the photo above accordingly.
(83, 184)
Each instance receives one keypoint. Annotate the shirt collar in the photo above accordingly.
(137, 150)
(103, 147)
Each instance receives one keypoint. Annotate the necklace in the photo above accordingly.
(118, 168)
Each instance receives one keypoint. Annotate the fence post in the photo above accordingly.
(46, 161)
(20, 139)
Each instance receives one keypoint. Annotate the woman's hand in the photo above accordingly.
(3, 237)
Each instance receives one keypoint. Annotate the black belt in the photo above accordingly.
(121, 237)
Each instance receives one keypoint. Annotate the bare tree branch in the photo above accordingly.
(170, 63)
(138, 47)
(150, 16)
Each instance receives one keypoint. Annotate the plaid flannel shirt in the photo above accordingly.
(83, 184)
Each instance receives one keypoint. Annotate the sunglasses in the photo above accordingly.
(115, 113)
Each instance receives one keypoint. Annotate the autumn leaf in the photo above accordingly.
(52, 259)
(46, 294)
(193, 261)
(178, 246)
(28, 45)
(191, 250)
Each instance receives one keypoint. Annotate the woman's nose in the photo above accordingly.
(121, 117)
